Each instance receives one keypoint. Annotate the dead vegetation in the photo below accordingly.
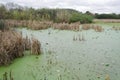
(107, 20)
(79, 37)
(35, 47)
(35, 25)
(97, 28)
(107, 77)
(39, 25)
(13, 45)
(67, 26)
(116, 28)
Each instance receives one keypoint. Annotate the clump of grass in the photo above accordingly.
(13, 45)
(107, 77)
(35, 47)
(38, 25)
(8, 76)
(97, 28)
(86, 27)
(27, 43)
(115, 28)
(67, 26)
(35, 25)
(107, 65)
(80, 37)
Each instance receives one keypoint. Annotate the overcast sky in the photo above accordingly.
(95, 6)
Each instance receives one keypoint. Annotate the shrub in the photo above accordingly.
(83, 18)
(2, 25)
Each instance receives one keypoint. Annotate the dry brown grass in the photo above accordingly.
(39, 25)
(35, 25)
(107, 77)
(86, 26)
(35, 47)
(13, 45)
(67, 26)
(116, 28)
(107, 20)
(97, 28)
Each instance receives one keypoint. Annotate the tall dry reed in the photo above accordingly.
(13, 45)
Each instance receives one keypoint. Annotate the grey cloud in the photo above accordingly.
(100, 6)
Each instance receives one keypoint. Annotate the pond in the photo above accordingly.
(66, 58)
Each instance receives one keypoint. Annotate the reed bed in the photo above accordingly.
(97, 28)
(116, 28)
(86, 27)
(39, 25)
(13, 45)
(67, 26)
(107, 20)
(35, 25)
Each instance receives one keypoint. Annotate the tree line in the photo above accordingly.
(107, 16)
(17, 12)
(14, 11)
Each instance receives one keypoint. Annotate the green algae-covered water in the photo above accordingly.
(63, 58)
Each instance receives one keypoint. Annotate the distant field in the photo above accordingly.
(107, 20)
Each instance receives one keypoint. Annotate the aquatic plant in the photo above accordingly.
(8, 76)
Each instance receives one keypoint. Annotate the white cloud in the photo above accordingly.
(99, 6)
